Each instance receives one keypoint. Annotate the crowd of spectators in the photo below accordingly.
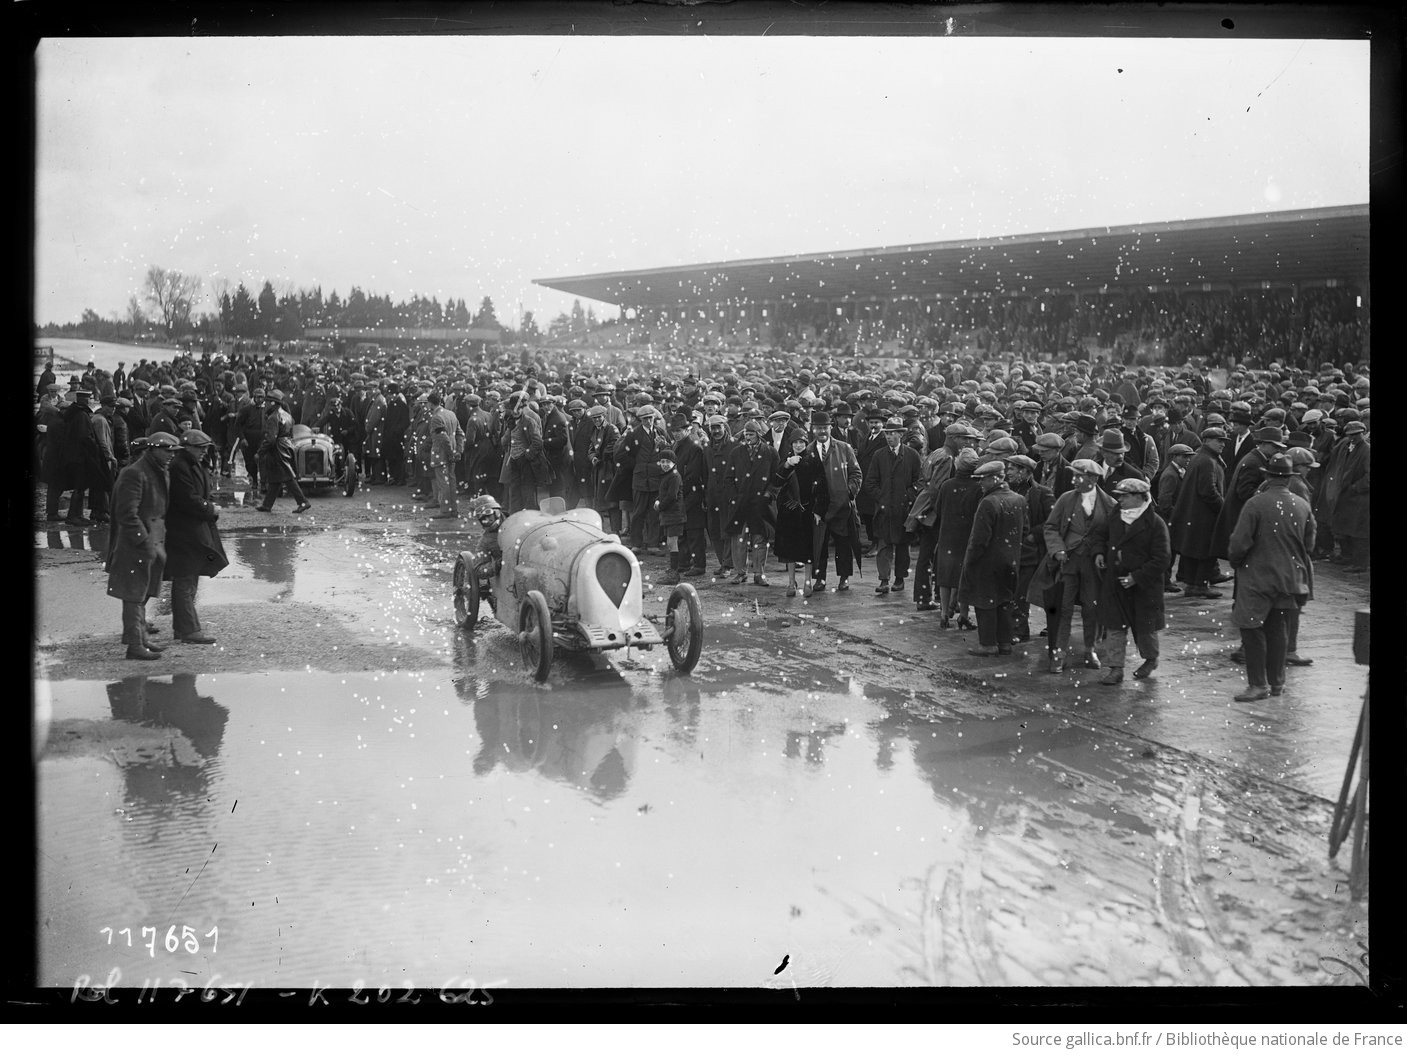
(810, 455)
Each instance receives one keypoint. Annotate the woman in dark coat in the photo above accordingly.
(802, 500)
(955, 507)
(1131, 597)
(193, 547)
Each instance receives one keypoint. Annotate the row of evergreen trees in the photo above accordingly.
(271, 316)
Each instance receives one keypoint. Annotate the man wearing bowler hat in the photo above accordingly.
(1112, 450)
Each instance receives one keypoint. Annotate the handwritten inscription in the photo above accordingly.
(186, 940)
(464, 991)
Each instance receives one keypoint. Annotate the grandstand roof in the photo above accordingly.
(1294, 246)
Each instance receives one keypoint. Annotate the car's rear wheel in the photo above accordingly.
(683, 621)
(535, 635)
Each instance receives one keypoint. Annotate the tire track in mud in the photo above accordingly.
(1180, 872)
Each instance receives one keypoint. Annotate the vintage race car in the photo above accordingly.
(567, 583)
(320, 462)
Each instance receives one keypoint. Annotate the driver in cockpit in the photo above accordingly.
(490, 516)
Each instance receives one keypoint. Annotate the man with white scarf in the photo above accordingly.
(1138, 555)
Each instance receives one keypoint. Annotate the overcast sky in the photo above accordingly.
(466, 167)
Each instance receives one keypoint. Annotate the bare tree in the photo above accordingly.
(136, 317)
(173, 295)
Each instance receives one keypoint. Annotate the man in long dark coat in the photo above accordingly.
(193, 547)
(1165, 491)
(747, 515)
(1193, 525)
(891, 482)
(557, 446)
(840, 526)
(870, 444)
(716, 455)
(693, 475)
(1039, 502)
(991, 567)
(137, 546)
(1346, 484)
(599, 449)
(579, 489)
(1136, 565)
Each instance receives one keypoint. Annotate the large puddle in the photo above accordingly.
(616, 830)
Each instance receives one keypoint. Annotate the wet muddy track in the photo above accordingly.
(411, 805)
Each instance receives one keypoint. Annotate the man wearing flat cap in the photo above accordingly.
(163, 418)
(1136, 568)
(717, 488)
(991, 565)
(193, 546)
(1020, 475)
(137, 544)
(1165, 493)
(1194, 518)
(1076, 537)
(1053, 470)
(781, 431)
(1270, 550)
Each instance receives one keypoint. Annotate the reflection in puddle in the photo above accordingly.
(92, 539)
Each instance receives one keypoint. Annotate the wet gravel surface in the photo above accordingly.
(347, 788)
